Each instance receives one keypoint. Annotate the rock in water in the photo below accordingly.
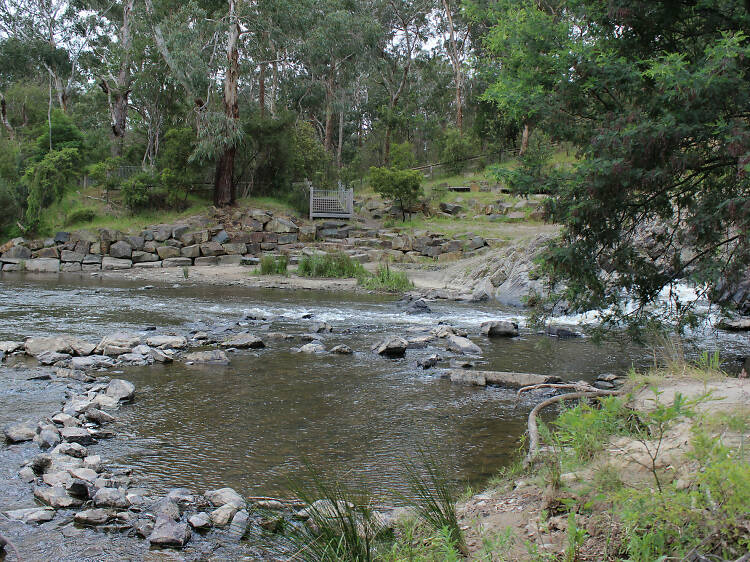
(393, 347)
(169, 533)
(239, 525)
(225, 496)
(121, 389)
(216, 356)
(459, 344)
(244, 341)
(500, 329)
(19, 432)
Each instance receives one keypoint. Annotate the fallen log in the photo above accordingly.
(533, 428)
(577, 386)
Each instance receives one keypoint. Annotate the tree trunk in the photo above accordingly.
(118, 99)
(262, 89)
(341, 139)
(524, 140)
(224, 178)
(4, 118)
(328, 142)
(387, 146)
(62, 94)
(274, 86)
(459, 106)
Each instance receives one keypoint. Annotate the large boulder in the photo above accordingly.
(174, 342)
(281, 225)
(118, 343)
(169, 533)
(18, 252)
(121, 389)
(111, 264)
(224, 496)
(111, 497)
(42, 265)
(121, 249)
(500, 329)
(392, 347)
(57, 497)
(216, 357)
(459, 344)
(244, 341)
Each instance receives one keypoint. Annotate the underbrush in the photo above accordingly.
(273, 265)
(344, 527)
(339, 265)
(386, 279)
(336, 265)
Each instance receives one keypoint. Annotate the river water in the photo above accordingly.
(253, 425)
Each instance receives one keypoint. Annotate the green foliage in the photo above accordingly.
(103, 174)
(401, 186)
(708, 516)
(386, 279)
(65, 134)
(586, 427)
(342, 526)
(273, 265)
(402, 156)
(575, 537)
(47, 181)
(176, 188)
(656, 147)
(330, 265)
(81, 215)
(137, 191)
(532, 175)
(457, 148)
(434, 499)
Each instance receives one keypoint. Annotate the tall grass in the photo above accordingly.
(433, 498)
(342, 527)
(273, 265)
(386, 279)
(330, 265)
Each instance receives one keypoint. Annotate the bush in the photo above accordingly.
(457, 148)
(533, 175)
(47, 181)
(386, 279)
(330, 265)
(137, 191)
(401, 186)
(402, 156)
(270, 265)
(78, 216)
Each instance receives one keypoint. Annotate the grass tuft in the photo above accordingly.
(386, 279)
(336, 265)
(273, 265)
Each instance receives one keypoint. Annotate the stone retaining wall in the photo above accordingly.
(240, 240)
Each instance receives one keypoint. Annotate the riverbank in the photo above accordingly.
(662, 471)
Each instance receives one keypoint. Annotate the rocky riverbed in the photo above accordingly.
(124, 417)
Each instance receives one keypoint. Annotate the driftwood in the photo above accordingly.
(290, 501)
(577, 386)
(534, 430)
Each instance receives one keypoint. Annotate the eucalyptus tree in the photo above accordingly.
(405, 24)
(455, 32)
(55, 32)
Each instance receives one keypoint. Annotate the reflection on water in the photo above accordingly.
(252, 424)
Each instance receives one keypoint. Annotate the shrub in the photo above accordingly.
(330, 265)
(402, 156)
(457, 148)
(273, 265)
(386, 279)
(47, 181)
(83, 215)
(137, 191)
(402, 186)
